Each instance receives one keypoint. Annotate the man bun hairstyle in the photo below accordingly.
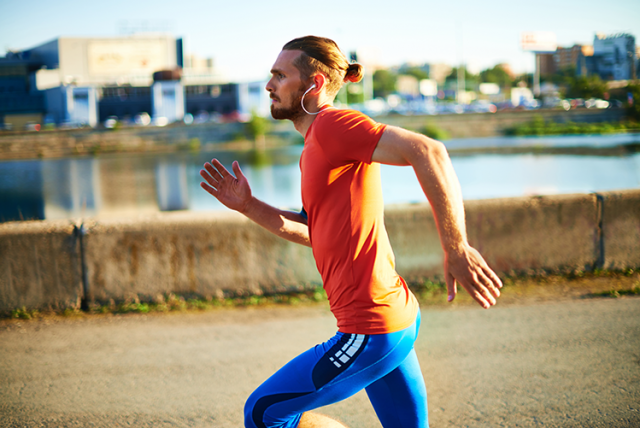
(355, 72)
(323, 55)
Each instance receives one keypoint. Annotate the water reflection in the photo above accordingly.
(171, 179)
(503, 176)
(277, 183)
(71, 188)
(131, 185)
(21, 191)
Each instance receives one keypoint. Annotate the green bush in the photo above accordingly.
(258, 126)
(633, 108)
(433, 131)
(538, 126)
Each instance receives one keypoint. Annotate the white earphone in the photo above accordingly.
(302, 100)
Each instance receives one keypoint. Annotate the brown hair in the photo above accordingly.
(323, 55)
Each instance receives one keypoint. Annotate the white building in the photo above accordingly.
(105, 61)
(86, 81)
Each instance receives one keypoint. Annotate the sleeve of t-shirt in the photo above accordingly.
(348, 136)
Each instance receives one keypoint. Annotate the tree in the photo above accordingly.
(525, 79)
(586, 87)
(562, 77)
(633, 100)
(470, 80)
(497, 74)
(572, 86)
(416, 72)
(258, 127)
(384, 83)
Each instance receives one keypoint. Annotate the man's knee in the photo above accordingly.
(265, 412)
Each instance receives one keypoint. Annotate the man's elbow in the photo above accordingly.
(430, 148)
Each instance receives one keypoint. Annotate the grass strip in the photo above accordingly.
(595, 284)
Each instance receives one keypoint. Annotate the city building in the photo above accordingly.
(85, 81)
(439, 72)
(545, 63)
(614, 56)
(19, 96)
(574, 57)
(408, 86)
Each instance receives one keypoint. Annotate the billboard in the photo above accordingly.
(127, 56)
(539, 41)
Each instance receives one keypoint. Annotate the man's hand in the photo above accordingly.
(232, 192)
(465, 266)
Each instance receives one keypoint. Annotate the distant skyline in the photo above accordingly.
(245, 37)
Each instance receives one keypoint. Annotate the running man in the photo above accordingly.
(378, 317)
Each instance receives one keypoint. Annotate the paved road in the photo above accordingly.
(574, 363)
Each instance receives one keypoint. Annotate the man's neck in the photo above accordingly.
(303, 123)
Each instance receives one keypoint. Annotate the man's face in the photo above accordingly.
(286, 87)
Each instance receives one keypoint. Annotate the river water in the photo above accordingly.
(124, 185)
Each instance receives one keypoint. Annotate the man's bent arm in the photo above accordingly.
(289, 225)
(431, 163)
(234, 192)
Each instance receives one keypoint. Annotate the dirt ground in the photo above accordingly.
(549, 354)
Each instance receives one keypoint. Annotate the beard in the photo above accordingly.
(291, 112)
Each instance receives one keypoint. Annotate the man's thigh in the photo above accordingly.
(302, 384)
(400, 398)
(328, 373)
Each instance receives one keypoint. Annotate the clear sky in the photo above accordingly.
(244, 37)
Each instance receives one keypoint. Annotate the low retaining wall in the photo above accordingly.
(191, 254)
(524, 236)
(42, 264)
(39, 265)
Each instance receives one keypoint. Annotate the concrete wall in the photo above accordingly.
(224, 253)
(527, 236)
(196, 254)
(621, 229)
(39, 265)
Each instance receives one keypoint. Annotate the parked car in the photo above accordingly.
(111, 122)
(576, 102)
(596, 103)
(481, 106)
(142, 119)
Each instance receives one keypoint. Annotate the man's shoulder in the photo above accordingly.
(342, 113)
(346, 135)
(335, 117)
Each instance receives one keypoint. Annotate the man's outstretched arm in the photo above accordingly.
(234, 192)
(429, 158)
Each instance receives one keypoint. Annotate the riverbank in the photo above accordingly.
(234, 136)
(539, 127)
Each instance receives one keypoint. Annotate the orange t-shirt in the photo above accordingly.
(342, 195)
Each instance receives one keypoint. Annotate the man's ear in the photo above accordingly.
(320, 81)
